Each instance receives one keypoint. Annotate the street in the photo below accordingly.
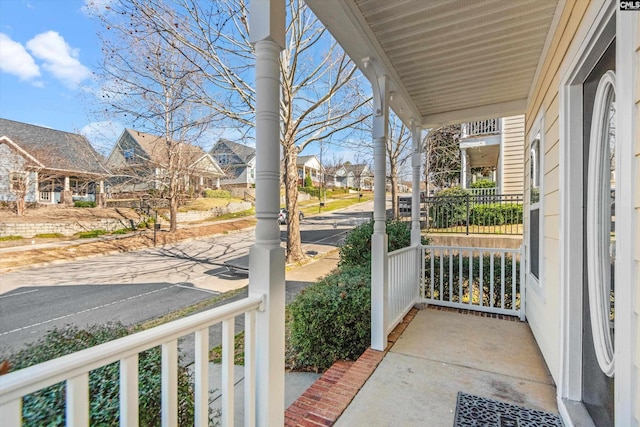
(142, 285)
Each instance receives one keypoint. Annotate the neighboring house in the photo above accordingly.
(354, 176)
(496, 145)
(238, 161)
(47, 165)
(141, 162)
(309, 166)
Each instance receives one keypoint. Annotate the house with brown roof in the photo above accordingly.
(142, 162)
(43, 165)
(238, 161)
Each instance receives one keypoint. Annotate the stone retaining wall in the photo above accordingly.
(192, 216)
(27, 230)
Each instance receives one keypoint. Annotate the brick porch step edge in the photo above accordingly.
(326, 399)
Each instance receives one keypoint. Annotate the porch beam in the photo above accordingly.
(266, 258)
(416, 161)
(379, 240)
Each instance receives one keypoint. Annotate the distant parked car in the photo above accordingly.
(283, 216)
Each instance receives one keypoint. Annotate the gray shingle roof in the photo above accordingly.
(54, 149)
(243, 152)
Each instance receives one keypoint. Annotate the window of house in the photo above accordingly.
(223, 159)
(129, 155)
(18, 180)
(536, 155)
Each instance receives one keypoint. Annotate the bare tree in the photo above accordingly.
(398, 151)
(148, 81)
(320, 93)
(442, 153)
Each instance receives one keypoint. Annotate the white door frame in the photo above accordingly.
(595, 36)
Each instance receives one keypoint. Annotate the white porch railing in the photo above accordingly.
(404, 272)
(482, 127)
(74, 370)
(483, 191)
(482, 279)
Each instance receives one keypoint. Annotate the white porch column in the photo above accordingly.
(463, 168)
(36, 180)
(379, 245)
(266, 261)
(67, 184)
(416, 160)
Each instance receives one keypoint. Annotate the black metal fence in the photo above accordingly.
(468, 214)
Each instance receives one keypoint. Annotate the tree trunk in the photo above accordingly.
(294, 245)
(173, 212)
(20, 206)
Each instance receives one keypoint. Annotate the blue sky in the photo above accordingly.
(48, 50)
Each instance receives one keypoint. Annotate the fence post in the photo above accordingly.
(468, 214)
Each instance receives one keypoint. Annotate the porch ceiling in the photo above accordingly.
(449, 61)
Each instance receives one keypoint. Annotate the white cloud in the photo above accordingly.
(14, 59)
(59, 58)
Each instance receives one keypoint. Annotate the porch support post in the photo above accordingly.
(266, 259)
(463, 168)
(416, 160)
(102, 198)
(379, 240)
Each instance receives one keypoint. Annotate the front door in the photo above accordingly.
(599, 240)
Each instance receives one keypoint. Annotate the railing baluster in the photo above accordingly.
(201, 365)
(502, 266)
(513, 281)
(227, 372)
(451, 275)
(431, 286)
(77, 401)
(11, 412)
(250, 369)
(470, 277)
(492, 279)
(129, 391)
(441, 277)
(170, 384)
(460, 275)
(480, 268)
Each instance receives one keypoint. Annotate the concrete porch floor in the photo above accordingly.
(442, 352)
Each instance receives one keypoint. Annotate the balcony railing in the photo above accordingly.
(482, 127)
(74, 370)
(481, 279)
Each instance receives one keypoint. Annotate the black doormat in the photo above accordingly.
(478, 411)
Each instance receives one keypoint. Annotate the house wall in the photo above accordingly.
(543, 307)
(10, 161)
(512, 155)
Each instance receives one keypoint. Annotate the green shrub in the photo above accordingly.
(307, 181)
(121, 231)
(46, 407)
(449, 208)
(49, 235)
(496, 214)
(331, 319)
(90, 234)
(356, 249)
(84, 204)
(483, 183)
(217, 194)
(312, 191)
(9, 238)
